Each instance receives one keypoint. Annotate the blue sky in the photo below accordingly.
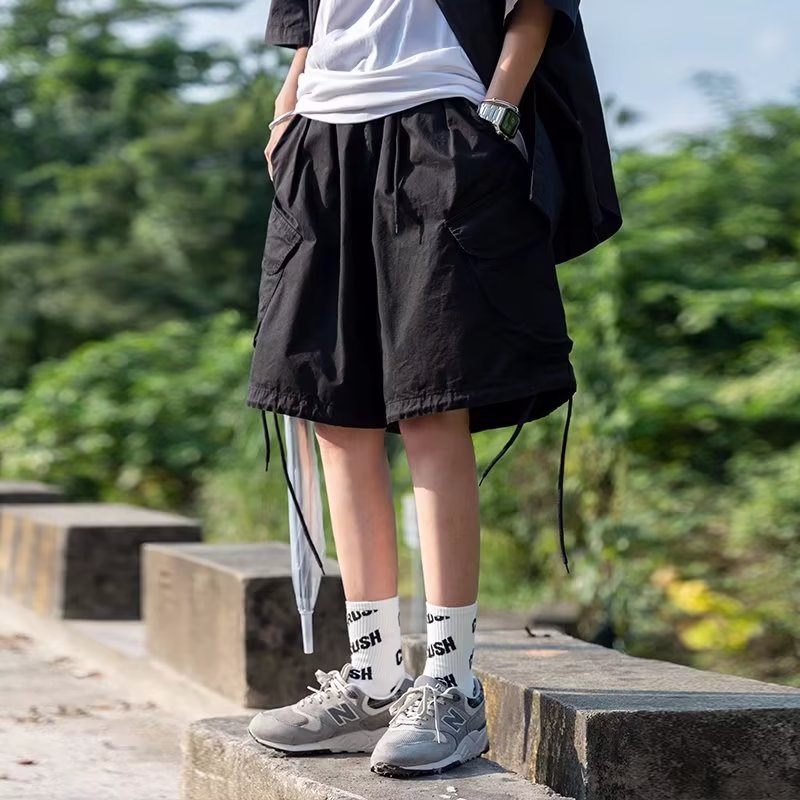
(645, 52)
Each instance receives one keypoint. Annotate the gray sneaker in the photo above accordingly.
(336, 718)
(434, 728)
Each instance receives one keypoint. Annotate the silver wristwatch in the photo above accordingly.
(504, 116)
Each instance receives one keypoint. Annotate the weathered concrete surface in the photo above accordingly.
(224, 615)
(221, 762)
(116, 648)
(598, 725)
(12, 492)
(67, 733)
(81, 560)
(563, 617)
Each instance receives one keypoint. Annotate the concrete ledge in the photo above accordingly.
(81, 560)
(595, 724)
(12, 492)
(221, 762)
(116, 649)
(224, 615)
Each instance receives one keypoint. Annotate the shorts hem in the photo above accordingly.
(305, 406)
(435, 402)
(560, 380)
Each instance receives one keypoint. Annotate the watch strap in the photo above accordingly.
(503, 115)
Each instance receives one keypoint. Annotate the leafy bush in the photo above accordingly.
(125, 206)
(682, 470)
(135, 417)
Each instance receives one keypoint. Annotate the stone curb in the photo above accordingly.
(81, 560)
(221, 762)
(225, 616)
(596, 724)
(19, 492)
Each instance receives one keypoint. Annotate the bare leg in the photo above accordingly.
(362, 514)
(442, 462)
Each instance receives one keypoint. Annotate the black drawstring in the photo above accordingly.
(395, 121)
(561, 486)
(507, 446)
(288, 480)
(396, 178)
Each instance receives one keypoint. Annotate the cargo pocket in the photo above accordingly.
(496, 225)
(494, 139)
(283, 239)
(505, 243)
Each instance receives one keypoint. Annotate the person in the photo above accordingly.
(432, 162)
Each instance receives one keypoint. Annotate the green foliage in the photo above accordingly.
(123, 204)
(131, 223)
(137, 417)
(682, 469)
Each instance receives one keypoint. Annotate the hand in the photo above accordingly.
(275, 135)
(274, 138)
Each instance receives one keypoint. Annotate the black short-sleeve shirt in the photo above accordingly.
(571, 176)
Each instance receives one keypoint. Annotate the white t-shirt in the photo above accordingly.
(370, 58)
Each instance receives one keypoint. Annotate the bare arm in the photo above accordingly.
(526, 37)
(285, 100)
(525, 40)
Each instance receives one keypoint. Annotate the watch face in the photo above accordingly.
(509, 122)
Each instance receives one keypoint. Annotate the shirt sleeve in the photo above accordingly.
(288, 24)
(566, 14)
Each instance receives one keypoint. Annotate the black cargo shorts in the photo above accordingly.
(407, 272)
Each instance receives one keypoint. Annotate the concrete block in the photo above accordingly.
(221, 762)
(81, 560)
(563, 617)
(224, 615)
(13, 492)
(595, 724)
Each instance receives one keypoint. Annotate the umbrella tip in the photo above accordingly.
(307, 628)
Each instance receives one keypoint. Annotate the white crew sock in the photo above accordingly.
(375, 646)
(451, 644)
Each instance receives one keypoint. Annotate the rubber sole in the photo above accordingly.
(355, 742)
(456, 760)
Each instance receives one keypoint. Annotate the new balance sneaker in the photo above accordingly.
(434, 728)
(336, 718)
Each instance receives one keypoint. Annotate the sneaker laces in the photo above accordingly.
(333, 682)
(417, 705)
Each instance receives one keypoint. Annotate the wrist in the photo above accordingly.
(504, 94)
(282, 118)
(283, 105)
(503, 114)
(501, 101)
(504, 87)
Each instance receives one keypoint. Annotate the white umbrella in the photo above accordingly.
(306, 534)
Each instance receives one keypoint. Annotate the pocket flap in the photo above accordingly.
(282, 237)
(497, 225)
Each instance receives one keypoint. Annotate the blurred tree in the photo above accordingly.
(682, 502)
(122, 203)
(152, 417)
(136, 417)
